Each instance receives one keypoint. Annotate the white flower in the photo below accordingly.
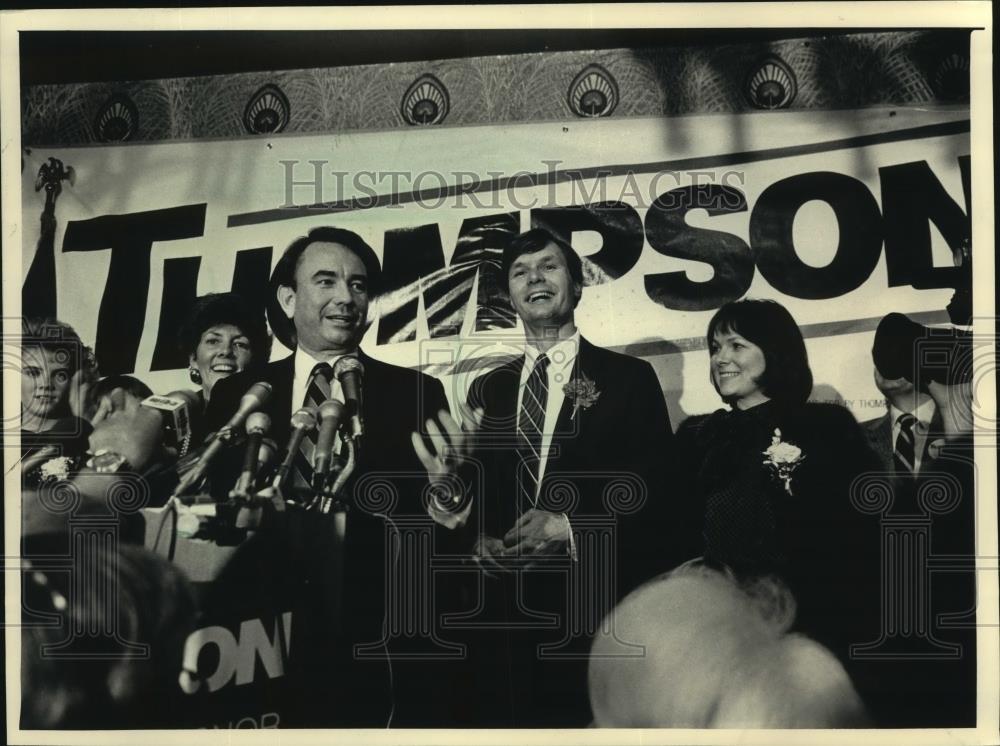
(783, 457)
(784, 453)
(56, 468)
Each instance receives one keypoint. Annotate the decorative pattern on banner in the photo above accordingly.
(829, 72)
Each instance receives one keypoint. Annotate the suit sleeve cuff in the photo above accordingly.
(572, 541)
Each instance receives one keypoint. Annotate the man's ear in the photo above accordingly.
(286, 299)
(577, 293)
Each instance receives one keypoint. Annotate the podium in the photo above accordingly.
(265, 652)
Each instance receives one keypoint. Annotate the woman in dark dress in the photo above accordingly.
(772, 477)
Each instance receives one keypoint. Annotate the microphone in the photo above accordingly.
(303, 421)
(258, 424)
(349, 371)
(177, 408)
(266, 456)
(254, 398)
(330, 414)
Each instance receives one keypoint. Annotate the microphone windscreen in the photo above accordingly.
(304, 418)
(331, 409)
(348, 364)
(260, 392)
(258, 422)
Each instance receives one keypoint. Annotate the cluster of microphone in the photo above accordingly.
(261, 477)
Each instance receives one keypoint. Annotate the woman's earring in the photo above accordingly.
(194, 375)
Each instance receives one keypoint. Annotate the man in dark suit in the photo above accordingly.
(320, 292)
(574, 442)
(925, 443)
(908, 435)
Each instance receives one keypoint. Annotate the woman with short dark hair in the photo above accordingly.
(771, 477)
(223, 335)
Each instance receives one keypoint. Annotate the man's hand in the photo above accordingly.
(80, 399)
(955, 405)
(488, 554)
(538, 532)
(128, 428)
(450, 449)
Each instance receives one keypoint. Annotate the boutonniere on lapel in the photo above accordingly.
(783, 458)
(583, 392)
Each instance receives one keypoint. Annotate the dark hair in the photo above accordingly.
(131, 384)
(768, 325)
(57, 336)
(88, 688)
(284, 273)
(535, 240)
(226, 308)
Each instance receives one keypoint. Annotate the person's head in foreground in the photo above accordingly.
(116, 648)
(716, 656)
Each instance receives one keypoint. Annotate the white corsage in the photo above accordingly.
(783, 457)
(56, 468)
(582, 392)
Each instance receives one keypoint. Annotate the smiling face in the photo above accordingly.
(542, 290)
(737, 365)
(329, 303)
(45, 379)
(222, 350)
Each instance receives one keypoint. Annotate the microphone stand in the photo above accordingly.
(199, 468)
(333, 502)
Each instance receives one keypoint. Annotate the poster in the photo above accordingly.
(841, 216)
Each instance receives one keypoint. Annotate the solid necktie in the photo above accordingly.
(905, 448)
(317, 392)
(530, 424)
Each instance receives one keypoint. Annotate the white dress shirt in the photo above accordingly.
(562, 356)
(924, 414)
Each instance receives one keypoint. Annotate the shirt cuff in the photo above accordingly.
(572, 541)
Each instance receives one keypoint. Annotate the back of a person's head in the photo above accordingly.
(716, 654)
(794, 683)
(136, 611)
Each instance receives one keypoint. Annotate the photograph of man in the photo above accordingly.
(321, 290)
(575, 443)
(904, 437)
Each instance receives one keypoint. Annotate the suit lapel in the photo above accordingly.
(280, 375)
(571, 433)
(566, 422)
(502, 394)
(885, 434)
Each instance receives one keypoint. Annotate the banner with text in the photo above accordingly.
(841, 216)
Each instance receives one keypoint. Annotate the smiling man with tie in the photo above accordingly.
(575, 445)
(320, 291)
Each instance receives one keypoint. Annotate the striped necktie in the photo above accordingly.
(530, 424)
(903, 455)
(317, 392)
